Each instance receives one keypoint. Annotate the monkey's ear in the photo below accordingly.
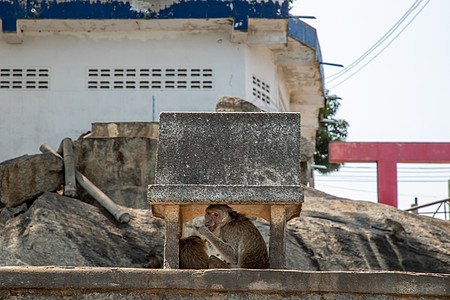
(233, 214)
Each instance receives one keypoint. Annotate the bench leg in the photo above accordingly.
(277, 242)
(171, 241)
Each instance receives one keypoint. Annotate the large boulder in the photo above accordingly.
(28, 176)
(117, 162)
(58, 230)
(340, 234)
(331, 234)
(124, 129)
(235, 104)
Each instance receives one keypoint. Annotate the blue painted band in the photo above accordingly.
(240, 10)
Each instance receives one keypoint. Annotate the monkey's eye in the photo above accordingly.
(215, 214)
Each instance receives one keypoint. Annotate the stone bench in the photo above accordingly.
(250, 161)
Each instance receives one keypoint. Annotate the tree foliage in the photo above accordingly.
(330, 130)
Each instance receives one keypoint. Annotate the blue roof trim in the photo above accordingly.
(307, 35)
(303, 33)
(240, 10)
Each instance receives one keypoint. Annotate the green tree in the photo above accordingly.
(330, 130)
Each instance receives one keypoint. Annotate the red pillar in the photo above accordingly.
(387, 182)
(387, 155)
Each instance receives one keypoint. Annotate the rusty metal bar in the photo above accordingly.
(120, 215)
(428, 204)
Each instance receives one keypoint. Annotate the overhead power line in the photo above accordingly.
(374, 192)
(380, 42)
(376, 45)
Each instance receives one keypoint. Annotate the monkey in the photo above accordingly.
(395, 227)
(154, 261)
(193, 253)
(235, 237)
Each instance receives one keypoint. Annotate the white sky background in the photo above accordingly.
(401, 96)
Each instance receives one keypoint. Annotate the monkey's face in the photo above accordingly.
(212, 219)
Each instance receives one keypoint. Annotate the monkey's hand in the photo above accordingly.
(204, 231)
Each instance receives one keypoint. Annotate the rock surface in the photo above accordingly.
(341, 234)
(235, 104)
(331, 234)
(28, 176)
(116, 162)
(58, 230)
(124, 129)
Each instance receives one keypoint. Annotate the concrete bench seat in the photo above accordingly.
(250, 161)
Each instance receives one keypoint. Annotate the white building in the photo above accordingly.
(68, 63)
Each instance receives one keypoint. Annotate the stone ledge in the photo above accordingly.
(250, 200)
(239, 194)
(201, 283)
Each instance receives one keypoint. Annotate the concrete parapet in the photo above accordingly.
(116, 283)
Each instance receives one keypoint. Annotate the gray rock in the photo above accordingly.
(128, 196)
(58, 230)
(113, 162)
(8, 213)
(235, 104)
(307, 149)
(124, 129)
(28, 176)
(341, 234)
(331, 234)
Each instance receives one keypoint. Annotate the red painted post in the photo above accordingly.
(387, 155)
(387, 182)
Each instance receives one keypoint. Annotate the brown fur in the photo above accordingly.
(395, 227)
(235, 237)
(154, 261)
(193, 253)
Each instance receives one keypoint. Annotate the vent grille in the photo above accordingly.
(24, 78)
(151, 78)
(261, 90)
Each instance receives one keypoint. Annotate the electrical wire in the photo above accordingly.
(374, 192)
(381, 51)
(368, 181)
(377, 44)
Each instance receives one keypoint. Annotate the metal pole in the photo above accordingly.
(119, 214)
(153, 97)
(70, 186)
(415, 211)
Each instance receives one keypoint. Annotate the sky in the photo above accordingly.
(399, 96)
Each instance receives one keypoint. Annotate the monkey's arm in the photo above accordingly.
(228, 252)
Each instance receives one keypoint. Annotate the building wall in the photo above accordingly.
(260, 78)
(82, 78)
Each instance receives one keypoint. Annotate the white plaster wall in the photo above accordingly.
(283, 91)
(29, 118)
(259, 62)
